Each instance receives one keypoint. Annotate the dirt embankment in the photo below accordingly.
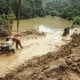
(61, 65)
(32, 34)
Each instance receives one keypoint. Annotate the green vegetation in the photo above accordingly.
(39, 8)
(29, 8)
(67, 9)
(32, 8)
(64, 8)
(6, 21)
(76, 21)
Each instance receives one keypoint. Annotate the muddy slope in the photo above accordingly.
(61, 65)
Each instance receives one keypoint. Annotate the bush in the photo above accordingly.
(6, 21)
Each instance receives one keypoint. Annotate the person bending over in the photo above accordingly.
(17, 39)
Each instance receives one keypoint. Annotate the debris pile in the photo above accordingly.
(4, 33)
(32, 32)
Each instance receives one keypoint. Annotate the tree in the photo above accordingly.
(18, 17)
(3, 21)
(11, 18)
(6, 21)
(3, 7)
(63, 8)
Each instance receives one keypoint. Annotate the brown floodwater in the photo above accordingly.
(48, 21)
(33, 47)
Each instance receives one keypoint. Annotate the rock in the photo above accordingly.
(4, 33)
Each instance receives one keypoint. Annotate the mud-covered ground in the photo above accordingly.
(12, 60)
(61, 65)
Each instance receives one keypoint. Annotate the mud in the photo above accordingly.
(61, 65)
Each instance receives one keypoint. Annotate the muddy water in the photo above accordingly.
(5, 61)
(51, 22)
(33, 47)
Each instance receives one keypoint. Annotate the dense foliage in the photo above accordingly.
(29, 8)
(6, 21)
(76, 21)
(39, 8)
(63, 8)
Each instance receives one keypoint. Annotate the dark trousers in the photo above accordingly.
(6, 49)
(18, 43)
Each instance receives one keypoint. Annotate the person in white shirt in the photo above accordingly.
(9, 42)
(8, 46)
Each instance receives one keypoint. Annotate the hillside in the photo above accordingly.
(55, 1)
(63, 8)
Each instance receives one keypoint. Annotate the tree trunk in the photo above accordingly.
(18, 17)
